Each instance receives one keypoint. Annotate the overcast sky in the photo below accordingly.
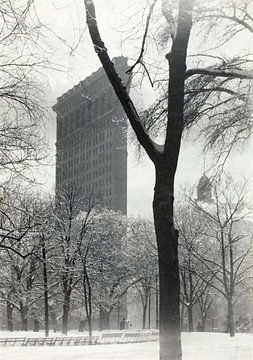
(74, 56)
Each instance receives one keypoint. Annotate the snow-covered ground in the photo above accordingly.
(196, 346)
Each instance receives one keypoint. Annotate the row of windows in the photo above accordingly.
(107, 192)
(99, 162)
(87, 112)
(101, 182)
(87, 144)
(97, 151)
(102, 173)
(91, 130)
(96, 166)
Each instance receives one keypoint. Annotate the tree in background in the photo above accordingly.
(71, 220)
(205, 301)
(19, 247)
(21, 89)
(114, 270)
(192, 225)
(22, 142)
(229, 250)
(145, 263)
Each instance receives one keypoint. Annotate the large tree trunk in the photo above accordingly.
(144, 312)
(9, 312)
(88, 302)
(45, 283)
(230, 328)
(65, 314)
(89, 322)
(203, 322)
(190, 318)
(149, 307)
(167, 241)
(24, 319)
(104, 319)
(156, 303)
(54, 320)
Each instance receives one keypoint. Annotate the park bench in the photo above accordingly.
(110, 338)
(154, 335)
(104, 338)
(130, 337)
(82, 340)
(133, 337)
(38, 341)
(85, 340)
(77, 340)
(63, 340)
(95, 339)
(12, 341)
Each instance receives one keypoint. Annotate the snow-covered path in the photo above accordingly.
(196, 346)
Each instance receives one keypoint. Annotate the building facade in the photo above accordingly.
(91, 141)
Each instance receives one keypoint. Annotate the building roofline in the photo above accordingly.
(89, 80)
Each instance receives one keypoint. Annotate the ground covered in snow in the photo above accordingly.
(196, 346)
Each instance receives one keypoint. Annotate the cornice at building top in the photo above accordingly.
(86, 84)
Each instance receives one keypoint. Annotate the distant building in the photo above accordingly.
(91, 141)
(204, 190)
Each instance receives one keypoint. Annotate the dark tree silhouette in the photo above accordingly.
(182, 108)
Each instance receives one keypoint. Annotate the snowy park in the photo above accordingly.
(196, 346)
(126, 197)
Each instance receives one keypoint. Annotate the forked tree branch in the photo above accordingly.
(139, 60)
(116, 83)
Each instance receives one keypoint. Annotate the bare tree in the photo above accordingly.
(115, 274)
(191, 226)
(71, 220)
(205, 302)
(145, 263)
(165, 157)
(230, 250)
(19, 219)
(21, 89)
(22, 221)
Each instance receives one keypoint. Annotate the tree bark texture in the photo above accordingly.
(230, 328)
(203, 322)
(65, 315)
(45, 284)
(104, 319)
(190, 318)
(88, 301)
(167, 241)
(156, 303)
(149, 307)
(9, 312)
(23, 315)
(144, 312)
(54, 320)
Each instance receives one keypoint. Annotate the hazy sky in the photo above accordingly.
(74, 57)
